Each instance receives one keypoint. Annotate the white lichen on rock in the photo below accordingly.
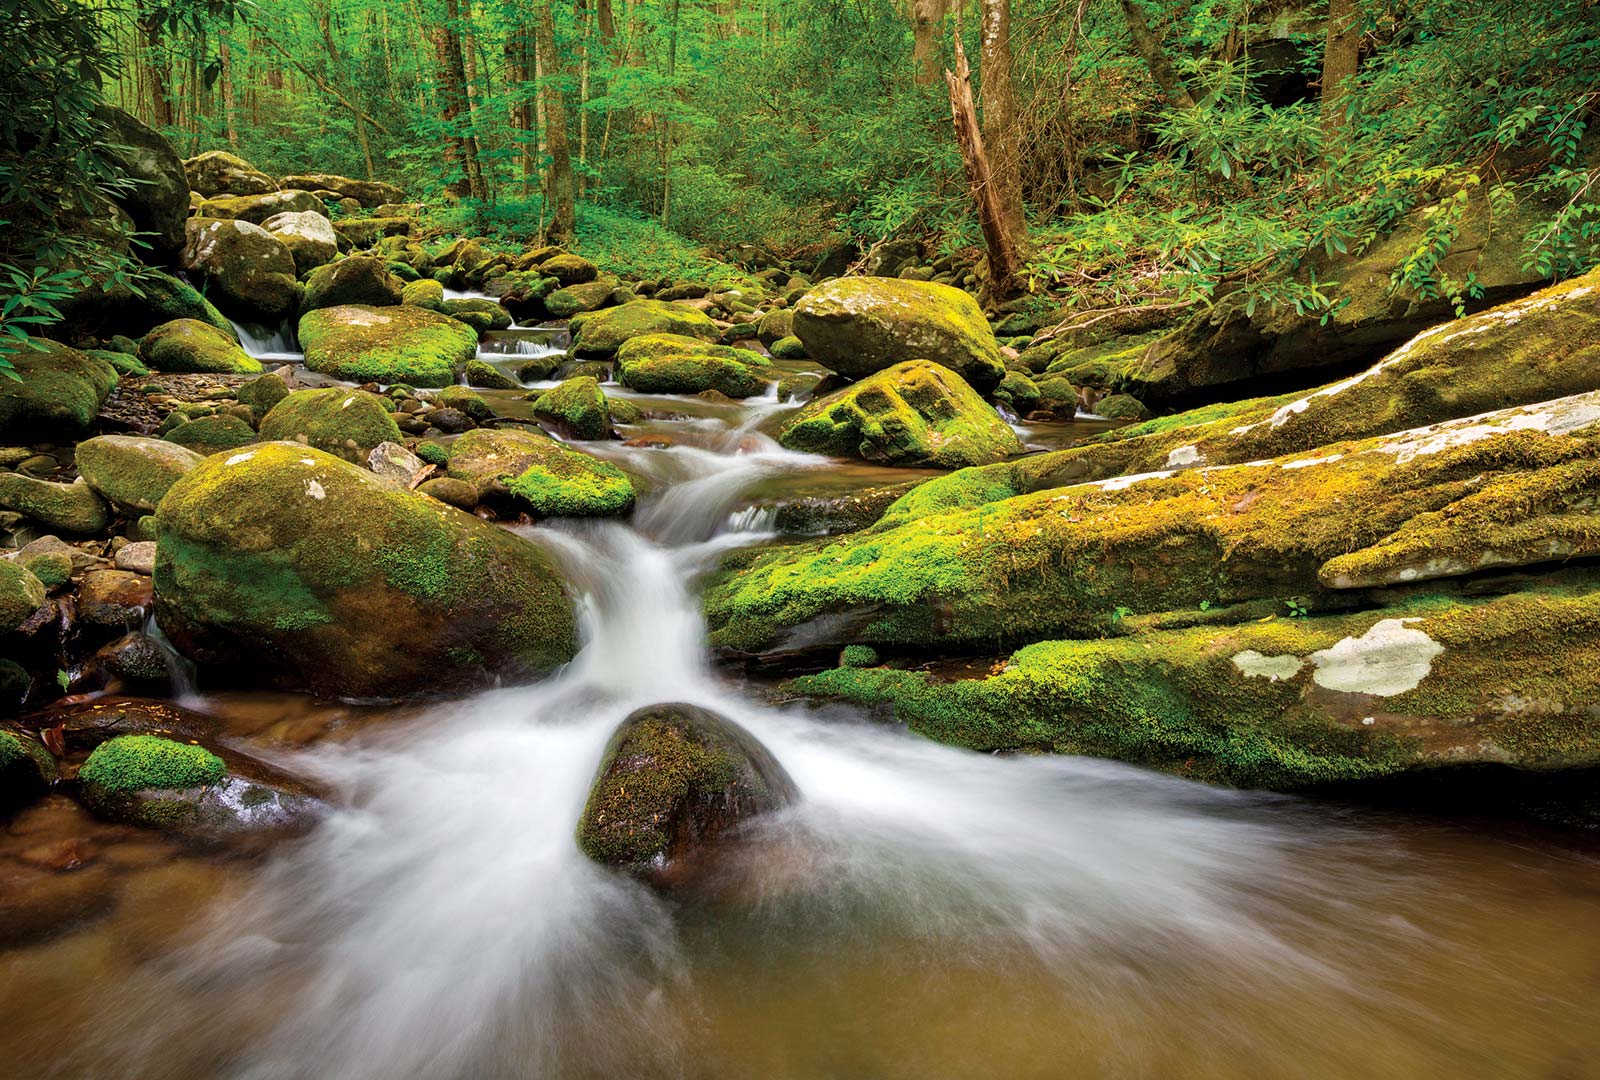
(1391, 658)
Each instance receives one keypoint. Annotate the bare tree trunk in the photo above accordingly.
(585, 25)
(927, 17)
(666, 119)
(998, 237)
(1154, 54)
(519, 73)
(155, 67)
(229, 111)
(1000, 120)
(558, 189)
(1340, 57)
(457, 105)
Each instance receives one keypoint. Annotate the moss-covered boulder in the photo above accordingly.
(537, 474)
(483, 374)
(464, 400)
(577, 299)
(191, 345)
(789, 348)
(133, 471)
(365, 232)
(258, 208)
(309, 236)
(915, 413)
(484, 315)
(182, 788)
(263, 393)
(674, 784)
(775, 325)
(250, 273)
(287, 559)
(109, 312)
(21, 594)
(599, 334)
(962, 560)
(674, 364)
(56, 394)
(369, 193)
(345, 423)
(218, 172)
(387, 345)
(360, 279)
(71, 508)
(569, 269)
(212, 434)
(577, 409)
(858, 326)
(157, 199)
(27, 770)
(424, 293)
(1288, 702)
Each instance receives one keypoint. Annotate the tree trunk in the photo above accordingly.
(1154, 55)
(558, 189)
(666, 118)
(998, 238)
(229, 111)
(155, 66)
(1339, 60)
(927, 17)
(519, 74)
(1000, 113)
(585, 24)
(457, 108)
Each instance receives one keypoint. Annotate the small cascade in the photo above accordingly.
(269, 343)
(753, 519)
(180, 670)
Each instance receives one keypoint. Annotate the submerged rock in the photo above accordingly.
(577, 409)
(915, 413)
(26, 771)
(283, 560)
(390, 344)
(858, 326)
(675, 364)
(599, 334)
(675, 782)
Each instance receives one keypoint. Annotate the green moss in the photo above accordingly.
(385, 345)
(124, 363)
(73, 508)
(194, 346)
(911, 414)
(858, 656)
(464, 399)
(600, 334)
(433, 453)
(578, 407)
(52, 568)
(57, 391)
(424, 293)
(132, 763)
(674, 364)
(348, 423)
(212, 434)
(130, 470)
(562, 487)
(484, 374)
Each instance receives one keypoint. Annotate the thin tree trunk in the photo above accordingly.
(1340, 58)
(449, 113)
(585, 24)
(456, 92)
(230, 114)
(998, 238)
(154, 65)
(518, 53)
(559, 188)
(1155, 58)
(666, 118)
(1000, 134)
(927, 18)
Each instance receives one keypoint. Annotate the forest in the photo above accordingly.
(799, 539)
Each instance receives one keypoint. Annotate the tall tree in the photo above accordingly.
(1000, 136)
(666, 114)
(999, 238)
(1341, 55)
(927, 16)
(558, 184)
(461, 144)
(1154, 54)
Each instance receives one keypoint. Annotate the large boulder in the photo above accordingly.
(56, 395)
(599, 334)
(309, 236)
(576, 299)
(69, 508)
(674, 364)
(284, 559)
(133, 471)
(387, 345)
(158, 198)
(577, 409)
(191, 345)
(537, 474)
(218, 172)
(108, 312)
(360, 279)
(858, 326)
(369, 193)
(675, 783)
(258, 208)
(1287, 703)
(1504, 489)
(365, 232)
(345, 423)
(915, 413)
(251, 272)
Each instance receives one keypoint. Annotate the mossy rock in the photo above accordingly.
(360, 279)
(674, 364)
(193, 346)
(675, 780)
(465, 400)
(21, 594)
(309, 236)
(424, 293)
(775, 326)
(72, 508)
(285, 560)
(52, 568)
(256, 209)
(483, 374)
(1018, 393)
(217, 172)
(915, 413)
(124, 363)
(249, 271)
(346, 423)
(212, 434)
(57, 393)
(859, 326)
(538, 474)
(386, 345)
(369, 193)
(789, 348)
(569, 269)
(599, 334)
(1287, 703)
(133, 471)
(488, 314)
(27, 770)
(577, 299)
(968, 558)
(263, 393)
(577, 409)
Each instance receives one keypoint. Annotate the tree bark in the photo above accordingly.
(1000, 121)
(453, 78)
(155, 66)
(1340, 57)
(229, 111)
(558, 188)
(666, 117)
(519, 73)
(927, 18)
(1154, 55)
(998, 237)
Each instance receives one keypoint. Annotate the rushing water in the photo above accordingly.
(921, 912)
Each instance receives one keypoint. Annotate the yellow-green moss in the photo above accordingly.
(138, 762)
(191, 345)
(348, 423)
(386, 345)
(578, 407)
(599, 334)
(674, 364)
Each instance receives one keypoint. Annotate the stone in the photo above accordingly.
(394, 463)
(858, 326)
(136, 558)
(257, 209)
(487, 314)
(369, 193)
(346, 423)
(21, 594)
(309, 236)
(133, 471)
(70, 508)
(483, 374)
(424, 293)
(599, 334)
(158, 199)
(283, 560)
(27, 769)
(576, 299)
(114, 598)
(218, 172)
(359, 279)
(365, 232)
(57, 392)
(193, 346)
(251, 272)
(675, 364)
(538, 475)
(263, 393)
(577, 409)
(915, 413)
(212, 434)
(387, 345)
(457, 493)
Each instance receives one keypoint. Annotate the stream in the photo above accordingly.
(922, 911)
